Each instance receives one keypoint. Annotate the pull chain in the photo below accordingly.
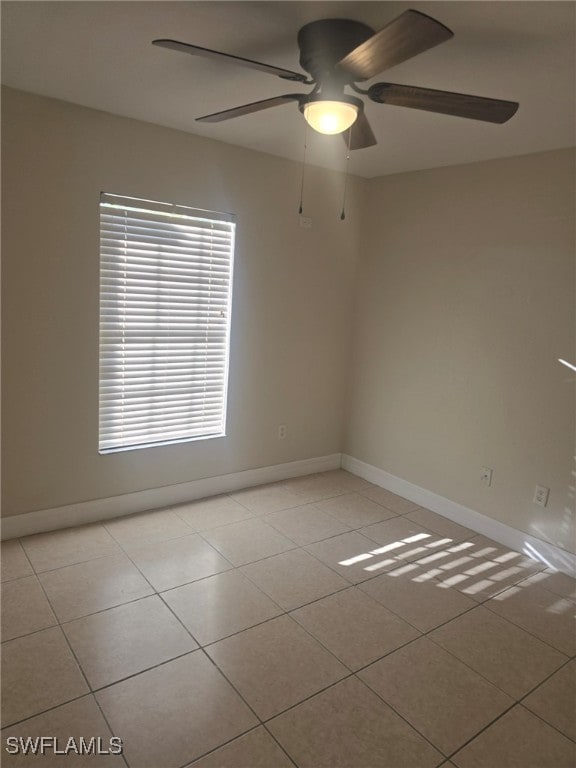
(300, 210)
(343, 214)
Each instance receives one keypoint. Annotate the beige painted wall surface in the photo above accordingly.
(291, 314)
(466, 299)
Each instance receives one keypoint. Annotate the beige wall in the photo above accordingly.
(465, 301)
(291, 315)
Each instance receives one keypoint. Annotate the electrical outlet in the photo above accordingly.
(486, 476)
(281, 431)
(541, 495)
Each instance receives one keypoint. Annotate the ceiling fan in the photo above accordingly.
(339, 53)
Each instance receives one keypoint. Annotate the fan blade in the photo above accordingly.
(362, 135)
(246, 109)
(195, 50)
(408, 35)
(444, 102)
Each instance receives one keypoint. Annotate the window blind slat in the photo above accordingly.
(154, 273)
(172, 359)
(165, 294)
(137, 215)
(142, 334)
(132, 291)
(150, 236)
(129, 411)
(135, 403)
(194, 422)
(177, 421)
(202, 305)
(160, 425)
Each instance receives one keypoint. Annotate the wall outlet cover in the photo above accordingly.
(541, 495)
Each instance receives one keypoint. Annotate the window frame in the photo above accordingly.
(142, 205)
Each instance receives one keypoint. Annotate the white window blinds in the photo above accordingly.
(165, 296)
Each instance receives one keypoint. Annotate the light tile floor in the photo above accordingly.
(321, 622)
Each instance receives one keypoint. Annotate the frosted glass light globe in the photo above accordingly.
(330, 117)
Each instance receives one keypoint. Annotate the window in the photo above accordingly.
(165, 297)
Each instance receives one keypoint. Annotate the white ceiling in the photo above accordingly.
(99, 54)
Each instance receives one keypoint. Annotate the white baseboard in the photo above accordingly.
(104, 509)
(52, 519)
(533, 547)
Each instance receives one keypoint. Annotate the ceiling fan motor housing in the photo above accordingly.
(325, 42)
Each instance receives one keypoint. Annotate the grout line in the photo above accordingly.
(532, 690)
(83, 526)
(259, 516)
(105, 687)
(282, 747)
(352, 672)
(484, 728)
(550, 725)
(264, 723)
(105, 610)
(401, 716)
(109, 724)
(483, 604)
(23, 576)
(231, 684)
(350, 676)
(200, 648)
(65, 636)
(179, 620)
(159, 595)
(115, 553)
(79, 618)
(189, 764)
(511, 621)
(517, 702)
(289, 611)
(67, 641)
(14, 723)
(352, 585)
(124, 551)
(241, 565)
(400, 563)
(220, 525)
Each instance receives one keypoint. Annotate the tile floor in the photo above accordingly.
(321, 622)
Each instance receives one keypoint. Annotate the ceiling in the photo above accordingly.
(98, 54)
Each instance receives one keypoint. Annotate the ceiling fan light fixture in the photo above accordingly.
(330, 117)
